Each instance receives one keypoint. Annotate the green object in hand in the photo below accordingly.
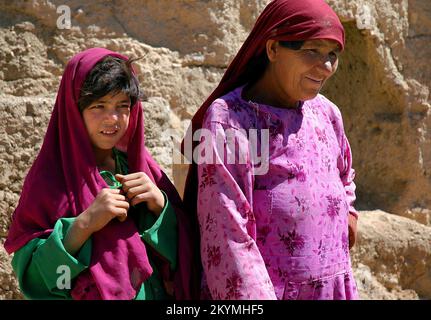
(110, 180)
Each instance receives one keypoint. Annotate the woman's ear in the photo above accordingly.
(271, 49)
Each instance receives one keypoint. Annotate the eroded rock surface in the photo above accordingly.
(382, 87)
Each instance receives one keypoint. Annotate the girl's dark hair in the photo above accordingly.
(110, 75)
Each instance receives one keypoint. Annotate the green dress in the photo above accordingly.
(37, 263)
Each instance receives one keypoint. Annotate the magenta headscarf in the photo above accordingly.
(64, 180)
(285, 20)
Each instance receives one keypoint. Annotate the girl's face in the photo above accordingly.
(107, 120)
(299, 75)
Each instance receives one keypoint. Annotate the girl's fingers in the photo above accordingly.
(122, 204)
(114, 191)
(133, 192)
(142, 197)
(131, 184)
(122, 218)
(119, 177)
(133, 176)
(133, 180)
(119, 197)
(121, 214)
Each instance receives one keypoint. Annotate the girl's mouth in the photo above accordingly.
(109, 132)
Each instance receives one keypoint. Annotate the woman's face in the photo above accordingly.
(107, 120)
(299, 75)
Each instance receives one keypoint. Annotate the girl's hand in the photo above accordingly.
(138, 188)
(353, 221)
(108, 204)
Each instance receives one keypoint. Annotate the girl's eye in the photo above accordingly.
(97, 106)
(124, 106)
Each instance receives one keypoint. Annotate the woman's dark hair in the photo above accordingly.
(110, 75)
(293, 45)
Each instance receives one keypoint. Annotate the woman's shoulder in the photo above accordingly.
(323, 104)
(229, 110)
(330, 112)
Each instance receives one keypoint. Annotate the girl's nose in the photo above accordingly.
(112, 115)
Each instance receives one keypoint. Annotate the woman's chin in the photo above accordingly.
(310, 95)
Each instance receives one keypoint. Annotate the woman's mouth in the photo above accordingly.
(315, 80)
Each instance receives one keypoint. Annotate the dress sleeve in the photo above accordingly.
(347, 174)
(233, 265)
(45, 269)
(161, 232)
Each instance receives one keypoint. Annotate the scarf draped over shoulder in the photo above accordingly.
(64, 181)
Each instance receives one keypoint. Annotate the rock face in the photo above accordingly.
(392, 259)
(8, 284)
(382, 87)
(387, 117)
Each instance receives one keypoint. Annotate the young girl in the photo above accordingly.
(280, 233)
(97, 217)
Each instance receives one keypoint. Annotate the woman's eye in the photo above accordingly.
(333, 56)
(97, 106)
(312, 52)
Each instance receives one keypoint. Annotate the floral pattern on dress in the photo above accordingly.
(333, 206)
(233, 287)
(214, 256)
(292, 241)
(207, 178)
(281, 234)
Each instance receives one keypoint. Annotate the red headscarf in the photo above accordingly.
(284, 20)
(64, 180)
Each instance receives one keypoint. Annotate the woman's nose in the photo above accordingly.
(326, 66)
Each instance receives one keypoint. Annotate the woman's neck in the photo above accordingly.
(267, 91)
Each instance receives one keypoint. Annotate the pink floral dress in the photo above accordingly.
(282, 234)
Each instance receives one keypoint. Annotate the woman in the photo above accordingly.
(282, 232)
